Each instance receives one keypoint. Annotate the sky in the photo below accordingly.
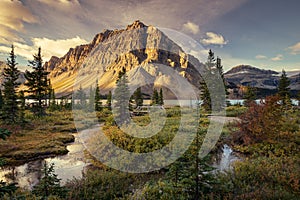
(261, 33)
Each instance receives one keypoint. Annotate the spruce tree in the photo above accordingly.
(161, 97)
(205, 95)
(109, 100)
(98, 103)
(22, 108)
(138, 97)
(155, 97)
(283, 88)
(249, 96)
(121, 98)
(49, 185)
(92, 99)
(10, 98)
(81, 96)
(53, 105)
(37, 82)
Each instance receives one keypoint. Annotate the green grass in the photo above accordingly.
(41, 137)
(235, 111)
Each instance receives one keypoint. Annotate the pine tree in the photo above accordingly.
(10, 98)
(37, 82)
(22, 108)
(121, 98)
(98, 103)
(220, 70)
(283, 88)
(210, 60)
(155, 97)
(53, 105)
(91, 99)
(249, 96)
(81, 96)
(49, 185)
(210, 84)
(205, 96)
(161, 97)
(109, 100)
(138, 97)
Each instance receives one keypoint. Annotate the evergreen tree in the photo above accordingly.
(22, 108)
(205, 95)
(210, 60)
(109, 100)
(249, 96)
(161, 97)
(53, 105)
(213, 76)
(155, 97)
(122, 95)
(138, 97)
(283, 88)
(220, 70)
(49, 185)
(37, 82)
(92, 99)
(11, 75)
(81, 96)
(98, 103)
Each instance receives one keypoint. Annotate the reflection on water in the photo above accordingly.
(66, 167)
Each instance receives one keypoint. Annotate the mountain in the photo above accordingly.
(266, 81)
(147, 54)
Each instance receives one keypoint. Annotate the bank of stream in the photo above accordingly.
(73, 164)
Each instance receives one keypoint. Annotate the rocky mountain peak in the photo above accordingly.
(136, 45)
(136, 24)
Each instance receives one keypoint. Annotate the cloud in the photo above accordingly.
(13, 16)
(61, 4)
(49, 47)
(191, 27)
(278, 57)
(295, 49)
(213, 38)
(261, 57)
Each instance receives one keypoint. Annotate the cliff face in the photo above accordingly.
(138, 46)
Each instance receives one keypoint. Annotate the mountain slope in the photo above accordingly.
(265, 80)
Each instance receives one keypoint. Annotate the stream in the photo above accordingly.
(73, 164)
(66, 167)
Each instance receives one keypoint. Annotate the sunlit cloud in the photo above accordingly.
(261, 57)
(213, 38)
(295, 49)
(49, 47)
(191, 27)
(278, 57)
